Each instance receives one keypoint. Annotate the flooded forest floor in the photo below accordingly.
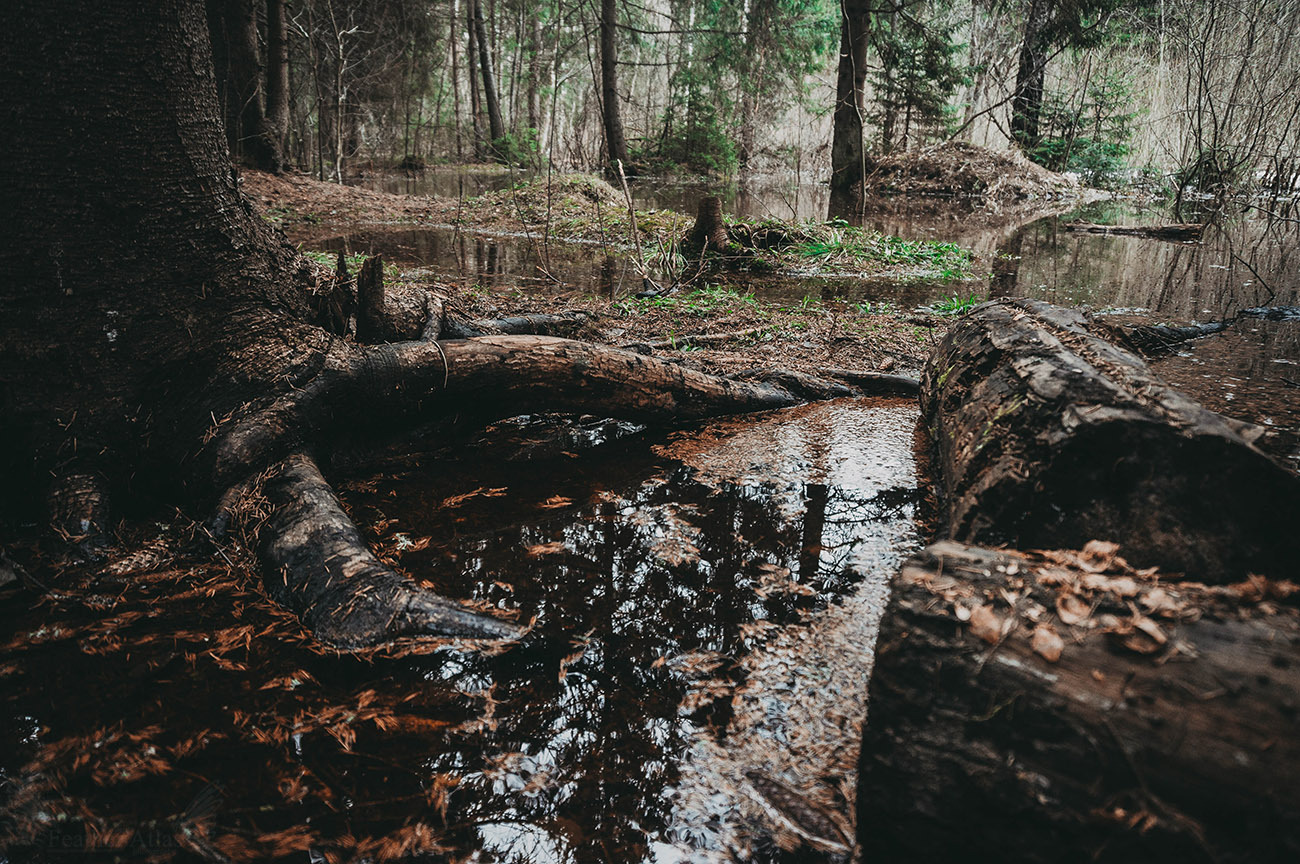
(703, 601)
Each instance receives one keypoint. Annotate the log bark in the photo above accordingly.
(1048, 436)
(1165, 729)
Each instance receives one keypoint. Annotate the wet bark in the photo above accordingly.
(1165, 729)
(1048, 435)
(318, 566)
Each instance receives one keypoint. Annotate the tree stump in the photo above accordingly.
(709, 231)
(371, 318)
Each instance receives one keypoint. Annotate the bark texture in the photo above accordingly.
(318, 566)
(709, 231)
(612, 114)
(848, 158)
(1048, 435)
(1062, 707)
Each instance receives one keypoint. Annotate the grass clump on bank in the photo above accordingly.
(837, 247)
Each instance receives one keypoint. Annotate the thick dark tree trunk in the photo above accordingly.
(1062, 707)
(1027, 101)
(1049, 435)
(615, 143)
(848, 159)
(277, 75)
(237, 59)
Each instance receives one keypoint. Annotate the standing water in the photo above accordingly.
(703, 606)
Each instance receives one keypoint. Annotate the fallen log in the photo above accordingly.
(1047, 436)
(1181, 231)
(1062, 707)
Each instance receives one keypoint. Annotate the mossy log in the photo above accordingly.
(1063, 707)
(1047, 435)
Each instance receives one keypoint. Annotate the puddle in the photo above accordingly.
(698, 599)
(1251, 372)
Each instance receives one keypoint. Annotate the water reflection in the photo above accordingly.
(1244, 260)
(497, 263)
(176, 697)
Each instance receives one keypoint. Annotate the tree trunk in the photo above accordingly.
(848, 159)
(496, 128)
(277, 75)
(233, 28)
(475, 110)
(1049, 436)
(1027, 101)
(1062, 707)
(615, 144)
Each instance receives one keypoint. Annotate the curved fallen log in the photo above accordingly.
(1049, 436)
(1062, 707)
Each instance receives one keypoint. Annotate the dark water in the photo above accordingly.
(166, 707)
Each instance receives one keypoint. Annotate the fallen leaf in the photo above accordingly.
(1046, 643)
(1160, 602)
(1120, 587)
(1098, 555)
(986, 624)
(1151, 628)
(1072, 610)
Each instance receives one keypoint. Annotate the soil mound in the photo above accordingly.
(960, 170)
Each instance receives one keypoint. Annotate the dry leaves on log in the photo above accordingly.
(1066, 596)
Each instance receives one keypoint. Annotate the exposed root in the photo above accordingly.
(315, 560)
(317, 565)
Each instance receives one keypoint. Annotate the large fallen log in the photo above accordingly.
(1048, 436)
(1063, 707)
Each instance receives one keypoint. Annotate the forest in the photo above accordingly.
(1170, 94)
(652, 431)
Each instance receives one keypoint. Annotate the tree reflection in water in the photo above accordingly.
(652, 568)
